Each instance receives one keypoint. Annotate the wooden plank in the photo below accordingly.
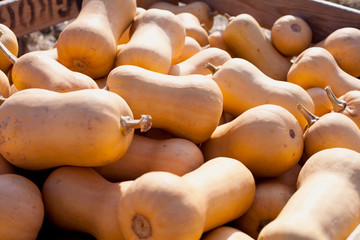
(26, 16)
(323, 17)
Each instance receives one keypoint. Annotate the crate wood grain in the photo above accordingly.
(26, 16)
(322, 16)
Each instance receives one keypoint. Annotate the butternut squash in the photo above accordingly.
(193, 28)
(43, 129)
(191, 47)
(40, 69)
(291, 35)
(88, 44)
(125, 37)
(328, 178)
(329, 131)
(198, 62)
(176, 155)
(22, 209)
(267, 139)
(247, 40)
(9, 40)
(5, 166)
(4, 85)
(79, 199)
(216, 39)
(156, 38)
(244, 86)
(344, 46)
(270, 198)
(321, 100)
(198, 8)
(186, 106)
(161, 205)
(347, 104)
(316, 67)
(226, 233)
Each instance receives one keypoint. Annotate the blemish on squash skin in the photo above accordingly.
(141, 226)
(292, 133)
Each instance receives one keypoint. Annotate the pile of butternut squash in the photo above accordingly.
(143, 123)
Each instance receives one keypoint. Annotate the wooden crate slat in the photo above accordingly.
(322, 16)
(26, 16)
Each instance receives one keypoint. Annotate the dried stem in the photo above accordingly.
(228, 17)
(337, 104)
(128, 124)
(310, 118)
(12, 58)
(211, 67)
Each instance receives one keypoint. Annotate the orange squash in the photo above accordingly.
(79, 199)
(244, 86)
(329, 131)
(313, 212)
(42, 129)
(316, 67)
(175, 155)
(225, 233)
(267, 139)
(4, 85)
(270, 198)
(9, 40)
(88, 44)
(291, 35)
(193, 28)
(198, 8)
(347, 104)
(22, 209)
(198, 62)
(344, 46)
(247, 40)
(156, 38)
(191, 47)
(186, 106)
(321, 100)
(161, 205)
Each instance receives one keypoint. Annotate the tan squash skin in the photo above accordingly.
(13, 89)
(291, 35)
(266, 138)
(226, 233)
(161, 205)
(37, 70)
(270, 198)
(244, 86)
(156, 37)
(197, 63)
(347, 104)
(9, 39)
(216, 39)
(198, 8)
(5, 166)
(245, 37)
(191, 47)
(316, 67)
(193, 28)
(344, 45)
(326, 204)
(321, 101)
(21, 207)
(125, 37)
(329, 131)
(186, 106)
(4, 85)
(178, 156)
(79, 199)
(88, 44)
(290, 177)
(42, 129)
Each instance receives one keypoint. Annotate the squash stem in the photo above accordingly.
(211, 67)
(310, 118)
(228, 17)
(337, 104)
(12, 58)
(128, 124)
